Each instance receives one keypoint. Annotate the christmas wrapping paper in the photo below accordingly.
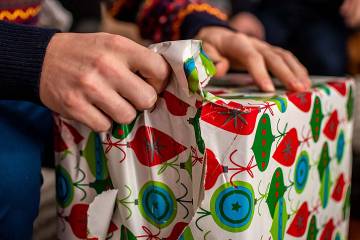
(213, 163)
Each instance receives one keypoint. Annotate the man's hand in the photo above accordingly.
(350, 10)
(93, 78)
(256, 57)
(249, 24)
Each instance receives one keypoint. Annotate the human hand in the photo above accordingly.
(248, 24)
(257, 57)
(350, 10)
(93, 78)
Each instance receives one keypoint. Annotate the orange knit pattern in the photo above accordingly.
(195, 8)
(19, 14)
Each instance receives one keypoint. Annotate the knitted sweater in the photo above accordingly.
(23, 47)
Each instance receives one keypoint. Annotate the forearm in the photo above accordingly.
(22, 52)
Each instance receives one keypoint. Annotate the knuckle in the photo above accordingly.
(113, 40)
(87, 82)
(272, 57)
(275, 59)
(289, 55)
(100, 61)
(118, 43)
(253, 57)
(240, 36)
(70, 100)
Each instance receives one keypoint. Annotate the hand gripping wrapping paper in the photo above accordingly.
(199, 166)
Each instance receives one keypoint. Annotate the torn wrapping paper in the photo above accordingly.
(216, 163)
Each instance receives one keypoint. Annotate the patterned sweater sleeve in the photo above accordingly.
(161, 20)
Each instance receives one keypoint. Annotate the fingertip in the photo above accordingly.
(221, 68)
(267, 86)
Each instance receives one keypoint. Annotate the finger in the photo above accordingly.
(141, 94)
(222, 67)
(255, 65)
(242, 53)
(90, 116)
(151, 66)
(122, 80)
(281, 70)
(111, 103)
(278, 67)
(221, 63)
(295, 66)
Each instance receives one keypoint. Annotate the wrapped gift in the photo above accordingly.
(213, 163)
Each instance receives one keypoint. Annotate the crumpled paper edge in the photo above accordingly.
(100, 214)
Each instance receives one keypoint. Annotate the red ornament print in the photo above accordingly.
(151, 146)
(285, 154)
(177, 231)
(59, 143)
(233, 117)
(339, 188)
(76, 135)
(298, 225)
(301, 100)
(213, 170)
(175, 106)
(331, 126)
(339, 86)
(328, 230)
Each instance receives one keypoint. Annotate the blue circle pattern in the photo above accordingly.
(302, 172)
(234, 206)
(340, 146)
(157, 204)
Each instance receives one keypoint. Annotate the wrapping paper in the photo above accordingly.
(214, 163)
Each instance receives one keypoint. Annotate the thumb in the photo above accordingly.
(221, 63)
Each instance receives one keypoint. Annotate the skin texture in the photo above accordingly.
(240, 51)
(93, 78)
(98, 77)
(350, 10)
(248, 24)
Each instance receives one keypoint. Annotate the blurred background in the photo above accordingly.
(323, 34)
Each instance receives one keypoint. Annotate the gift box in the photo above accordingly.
(211, 163)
